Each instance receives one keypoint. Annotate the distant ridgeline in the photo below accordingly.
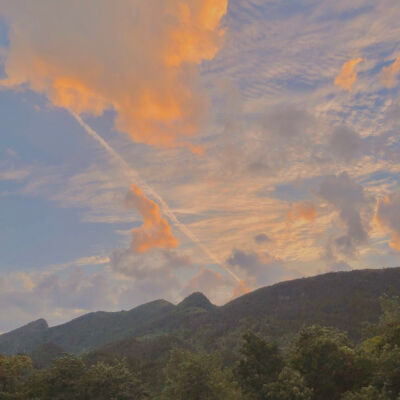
(345, 300)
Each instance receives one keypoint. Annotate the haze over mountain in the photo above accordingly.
(344, 300)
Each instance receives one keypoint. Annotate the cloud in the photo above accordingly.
(261, 238)
(389, 74)
(303, 210)
(240, 289)
(149, 274)
(214, 285)
(75, 291)
(258, 269)
(344, 144)
(350, 200)
(155, 231)
(56, 296)
(65, 291)
(143, 266)
(348, 75)
(135, 57)
(388, 216)
(333, 258)
(284, 132)
(9, 173)
(204, 281)
(340, 266)
(13, 175)
(288, 121)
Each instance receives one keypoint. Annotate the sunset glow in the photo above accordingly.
(150, 149)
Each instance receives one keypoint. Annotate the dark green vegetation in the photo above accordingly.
(321, 338)
(320, 363)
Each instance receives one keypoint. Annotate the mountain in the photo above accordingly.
(22, 339)
(345, 300)
(86, 332)
(196, 301)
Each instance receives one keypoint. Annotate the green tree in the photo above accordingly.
(383, 350)
(63, 380)
(289, 386)
(329, 365)
(365, 393)
(387, 375)
(70, 379)
(191, 376)
(112, 382)
(13, 373)
(260, 365)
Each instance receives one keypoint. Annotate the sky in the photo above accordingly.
(152, 149)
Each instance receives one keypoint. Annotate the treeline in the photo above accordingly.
(320, 363)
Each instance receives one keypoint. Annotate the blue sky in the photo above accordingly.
(285, 151)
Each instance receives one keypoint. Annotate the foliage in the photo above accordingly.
(69, 379)
(290, 385)
(191, 376)
(261, 364)
(365, 393)
(327, 362)
(13, 372)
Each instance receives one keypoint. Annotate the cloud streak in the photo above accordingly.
(151, 192)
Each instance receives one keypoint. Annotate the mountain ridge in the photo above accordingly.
(345, 300)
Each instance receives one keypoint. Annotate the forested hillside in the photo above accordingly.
(344, 300)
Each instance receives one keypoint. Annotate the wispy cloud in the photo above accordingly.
(348, 75)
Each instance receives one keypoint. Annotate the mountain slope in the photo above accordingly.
(86, 332)
(345, 300)
(22, 339)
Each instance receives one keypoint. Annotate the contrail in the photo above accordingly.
(151, 192)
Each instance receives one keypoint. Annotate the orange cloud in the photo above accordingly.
(348, 75)
(303, 210)
(155, 231)
(389, 74)
(395, 242)
(135, 57)
(387, 216)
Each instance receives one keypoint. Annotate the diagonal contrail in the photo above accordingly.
(151, 192)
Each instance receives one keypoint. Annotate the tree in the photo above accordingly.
(327, 362)
(365, 393)
(13, 372)
(70, 379)
(191, 376)
(289, 386)
(63, 380)
(112, 382)
(260, 365)
(387, 375)
(383, 350)
(389, 323)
